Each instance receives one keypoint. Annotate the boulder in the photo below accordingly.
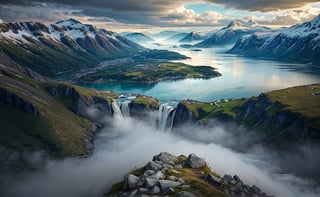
(165, 184)
(169, 190)
(141, 181)
(166, 158)
(130, 182)
(180, 180)
(151, 165)
(158, 175)
(149, 172)
(255, 190)
(155, 190)
(237, 178)
(213, 180)
(227, 178)
(186, 194)
(150, 182)
(194, 161)
(172, 178)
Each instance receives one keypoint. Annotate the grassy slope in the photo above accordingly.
(146, 100)
(295, 99)
(151, 72)
(58, 130)
(299, 99)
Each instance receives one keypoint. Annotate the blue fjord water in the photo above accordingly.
(241, 77)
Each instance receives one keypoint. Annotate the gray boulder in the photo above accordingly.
(186, 194)
(213, 180)
(166, 158)
(130, 182)
(158, 175)
(165, 184)
(172, 178)
(169, 190)
(141, 181)
(150, 182)
(149, 172)
(227, 178)
(194, 161)
(155, 190)
(151, 165)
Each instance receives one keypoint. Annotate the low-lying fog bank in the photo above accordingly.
(127, 143)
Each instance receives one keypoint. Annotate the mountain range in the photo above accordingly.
(299, 43)
(64, 46)
(177, 37)
(195, 36)
(231, 33)
(138, 37)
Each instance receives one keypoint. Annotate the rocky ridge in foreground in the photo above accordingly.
(168, 175)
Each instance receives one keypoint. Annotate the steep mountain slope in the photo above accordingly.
(38, 114)
(299, 43)
(63, 46)
(231, 33)
(163, 34)
(195, 36)
(177, 37)
(139, 38)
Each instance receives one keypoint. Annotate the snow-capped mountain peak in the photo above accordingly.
(252, 23)
(298, 43)
(69, 22)
(236, 23)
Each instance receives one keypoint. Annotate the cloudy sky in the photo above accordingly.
(124, 15)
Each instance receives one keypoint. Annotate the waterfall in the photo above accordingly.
(166, 116)
(116, 110)
(124, 107)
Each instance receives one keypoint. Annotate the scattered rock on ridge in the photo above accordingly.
(168, 175)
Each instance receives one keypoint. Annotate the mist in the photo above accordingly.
(127, 143)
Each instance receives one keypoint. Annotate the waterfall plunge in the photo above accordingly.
(116, 110)
(124, 107)
(121, 108)
(166, 116)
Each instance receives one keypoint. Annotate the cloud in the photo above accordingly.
(288, 17)
(129, 143)
(137, 14)
(263, 5)
(187, 17)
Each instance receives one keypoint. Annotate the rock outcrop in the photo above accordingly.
(168, 175)
(273, 115)
(182, 116)
(80, 103)
(263, 113)
(142, 105)
(18, 102)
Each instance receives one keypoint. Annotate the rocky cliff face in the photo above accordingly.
(81, 104)
(14, 100)
(182, 116)
(142, 105)
(260, 113)
(276, 121)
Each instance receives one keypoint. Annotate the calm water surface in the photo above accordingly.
(241, 77)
